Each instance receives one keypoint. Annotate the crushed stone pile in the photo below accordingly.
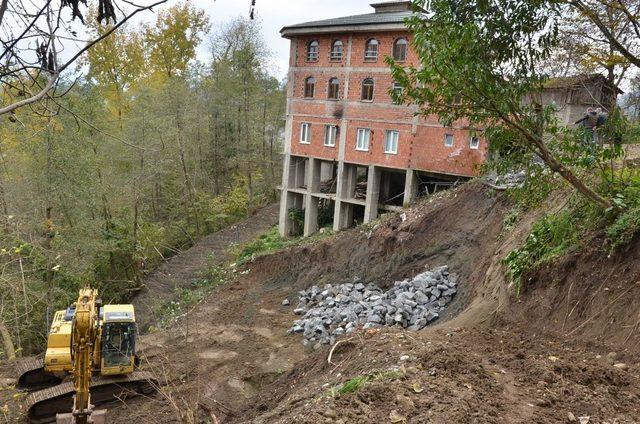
(508, 180)
(338, 309)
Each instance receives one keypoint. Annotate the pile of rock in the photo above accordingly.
(338, 309)
(508, 180)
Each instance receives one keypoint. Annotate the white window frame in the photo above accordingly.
(364, 135)
(391, 144)
(474, 142)
(330, 135)
(305, 133)
(446, 138)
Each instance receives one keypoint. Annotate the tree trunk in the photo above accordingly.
(9, 349)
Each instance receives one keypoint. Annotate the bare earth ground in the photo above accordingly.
(567, 350)
(186, 267)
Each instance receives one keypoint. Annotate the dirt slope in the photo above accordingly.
(186, 267)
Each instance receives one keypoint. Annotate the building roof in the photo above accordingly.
(578, 81)
(388, 16)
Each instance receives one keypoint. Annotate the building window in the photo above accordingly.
(448, 140)
(336, 50)
(367, 90)
(363, 138)
(305, 133)
(391, 141)
(474, 142)
(371, 50)
(400, 49)
(334, 89)
(313, 48)
(330, 134)
(396, 93)
(309, 87)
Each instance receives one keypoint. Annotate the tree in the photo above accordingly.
(480, 62)
(33, 39)
(583, 48)
(174, 37)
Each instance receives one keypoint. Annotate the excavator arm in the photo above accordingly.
(84, 335)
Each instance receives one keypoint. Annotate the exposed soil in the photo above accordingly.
(568, 349)
(186, 267)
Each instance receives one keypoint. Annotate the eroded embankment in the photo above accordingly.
(485, 360)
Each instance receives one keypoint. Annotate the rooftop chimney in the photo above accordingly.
(392, 6)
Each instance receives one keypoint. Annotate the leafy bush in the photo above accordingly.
(550, 237)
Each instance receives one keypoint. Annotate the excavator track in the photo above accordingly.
(43, 405)
(31, 376)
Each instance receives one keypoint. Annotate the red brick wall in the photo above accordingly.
(420, 146)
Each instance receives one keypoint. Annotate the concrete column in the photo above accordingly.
(337, 223)
(410, 187)
(311, 202)
(310, 214)
(283, 219)
(373, 194)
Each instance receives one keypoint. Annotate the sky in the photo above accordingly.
(275, 14)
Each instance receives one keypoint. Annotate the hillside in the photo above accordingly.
(568, 348)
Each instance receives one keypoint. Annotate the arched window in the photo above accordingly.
(309, 87)
(336, 50)
(367, 90)
(371, 50)
(334, 89)
(312, 51)
(400, 49)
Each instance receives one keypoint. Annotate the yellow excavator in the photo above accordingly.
(95, 345)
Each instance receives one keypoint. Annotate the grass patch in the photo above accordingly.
(355, 384)
(272, 241)
(185, 298)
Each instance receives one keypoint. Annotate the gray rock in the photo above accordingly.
(286, 302)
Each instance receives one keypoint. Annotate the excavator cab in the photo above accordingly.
(118, 340)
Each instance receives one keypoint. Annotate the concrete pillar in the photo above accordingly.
(410, 187)
(283, 219)
(337, 222)
(311, 202)
(373, 194)
(350, 175)
(310, 214)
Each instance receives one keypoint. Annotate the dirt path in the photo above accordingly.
(187, 266)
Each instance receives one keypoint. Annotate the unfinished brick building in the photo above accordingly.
(349, 150)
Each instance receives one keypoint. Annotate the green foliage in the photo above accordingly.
(626, 226)
(353, 385)
(185, 298)
(550, 237)
(267, 242)
(272, 241)
(144, 155)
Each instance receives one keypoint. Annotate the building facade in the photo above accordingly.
(349, 151)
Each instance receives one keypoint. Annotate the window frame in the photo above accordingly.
(477, 142)
(337, 93)
(362, 89)
(307, 83)
(305, 130)
(333, 56)
(396, 43)
(446, 136)
(371, 42)
(327, 129)
(394, 89)
(366, 131)
(313, 56)
(394, 143)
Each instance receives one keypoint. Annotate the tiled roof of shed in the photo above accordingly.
(366, 19)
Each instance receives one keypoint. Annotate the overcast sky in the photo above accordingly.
(274, 14)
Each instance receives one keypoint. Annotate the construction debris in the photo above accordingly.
(338, 309)
(508, 180)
